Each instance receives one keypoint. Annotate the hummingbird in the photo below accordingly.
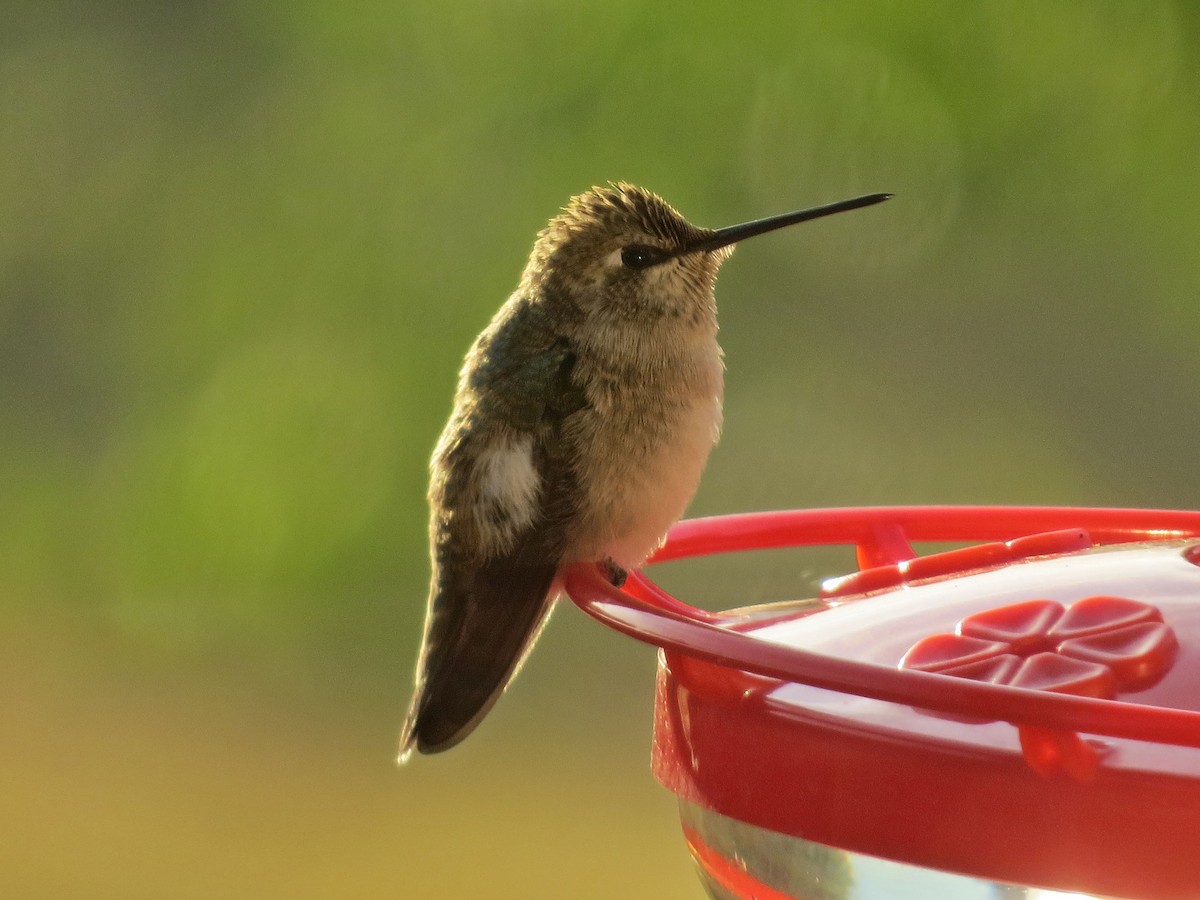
(584, 416)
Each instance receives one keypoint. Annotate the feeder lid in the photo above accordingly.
(1025, 710)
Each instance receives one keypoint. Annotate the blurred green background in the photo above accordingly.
(243, 248)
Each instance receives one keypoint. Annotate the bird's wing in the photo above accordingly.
(485, 609)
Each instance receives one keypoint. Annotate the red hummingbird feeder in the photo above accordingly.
(1013, 718)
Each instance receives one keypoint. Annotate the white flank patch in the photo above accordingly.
(508, 485)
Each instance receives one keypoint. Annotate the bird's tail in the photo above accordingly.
(478, 630)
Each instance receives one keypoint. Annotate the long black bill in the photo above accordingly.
(723, 237)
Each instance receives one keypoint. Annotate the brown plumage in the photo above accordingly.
(584, 416)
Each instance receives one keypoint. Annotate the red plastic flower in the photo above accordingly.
(1096, 647)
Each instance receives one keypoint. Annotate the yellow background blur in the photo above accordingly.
(243, 248)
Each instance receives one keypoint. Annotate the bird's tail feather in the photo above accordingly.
(479, 629)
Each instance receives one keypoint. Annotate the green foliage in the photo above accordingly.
(241, 255)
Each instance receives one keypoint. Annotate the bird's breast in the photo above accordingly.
(642, 447)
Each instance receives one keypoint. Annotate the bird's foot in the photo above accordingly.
(615, 574)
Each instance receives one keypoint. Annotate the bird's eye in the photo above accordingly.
(639, 256)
